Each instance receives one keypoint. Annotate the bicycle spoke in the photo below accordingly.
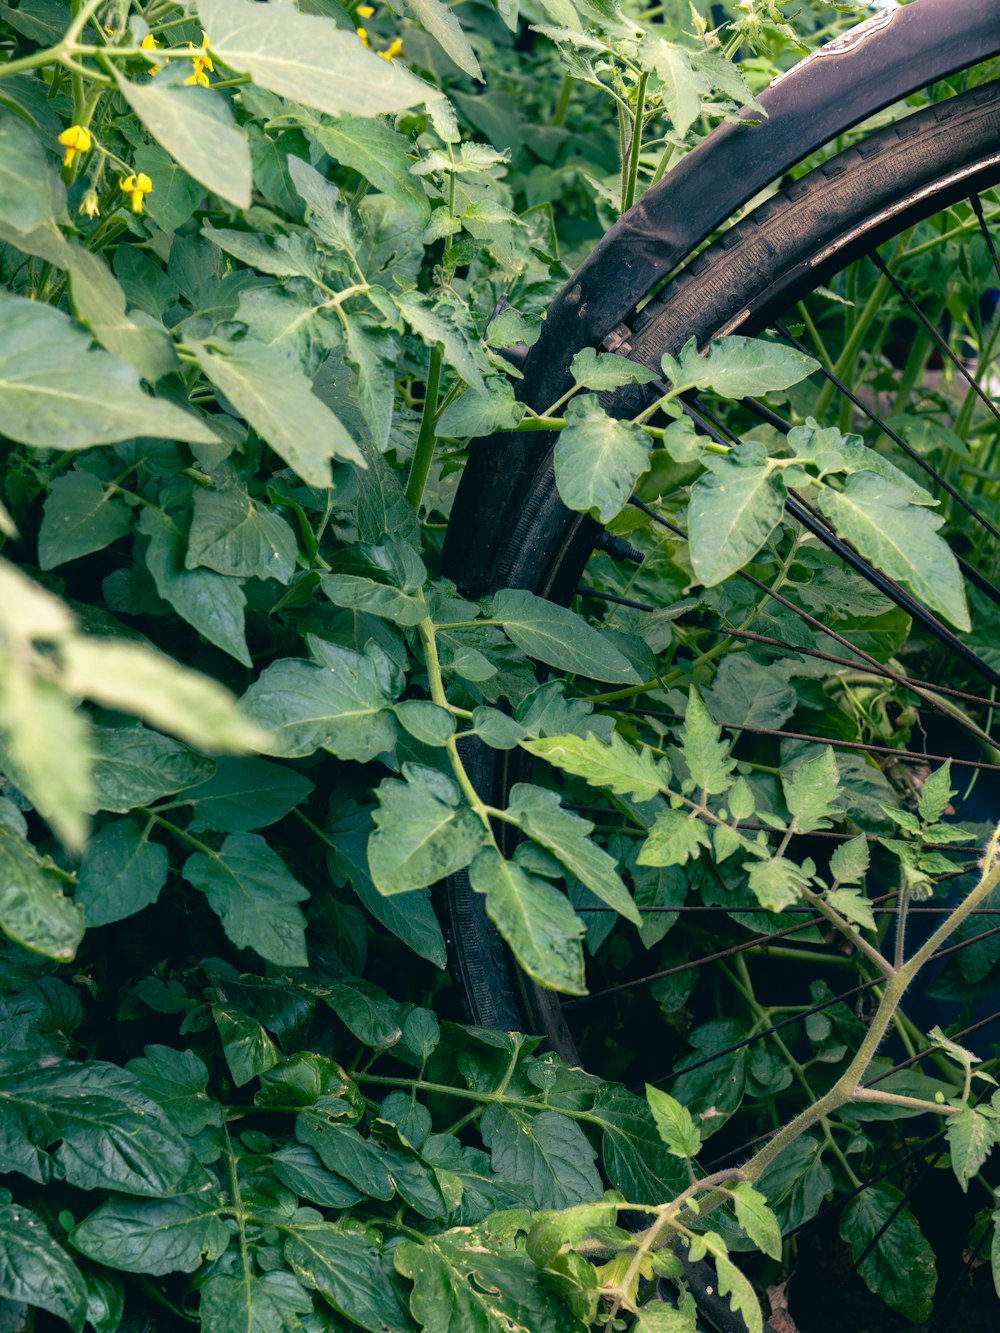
(977, 208)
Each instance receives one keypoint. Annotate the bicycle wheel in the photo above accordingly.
(929, 177)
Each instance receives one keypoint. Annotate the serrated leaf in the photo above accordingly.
(156, 1236)
(735, 507)
(558, 637)
(411, 919)
(341, 707)
(742, 1296)
(849, 863)
(88, 1124)
(277, 400)
(900, 1268)
(55, 386)
(706, 754)
(971, 1137)
(812, 791)
(347, 1271)
(604, 371)
(675, 837)
(423, 831)
(250, 1304)
(33, 1268)
(674, 1123)
(777, 883)
(682, 84)
(738, 367)
(80, 516)
(935, 794)
(308, 59)
(379, 153)
(598, 459)
(540, 815)
(436, 324)
(33, 910)
(547, 1155)
(121, 873)
(625, 769)
(253, 892)
(636, 1160)
(211, 603)
(757, 1219)
(854, 905)
(234, 535)
(899, 538)
(197, 129)
(536, 920)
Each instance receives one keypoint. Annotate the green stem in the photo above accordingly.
(423, 454)
(635, 147)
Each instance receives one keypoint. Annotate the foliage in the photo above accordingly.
(248, 326)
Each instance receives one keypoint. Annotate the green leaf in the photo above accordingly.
(900, 1268)
(436, 324)
(778, 883)
(547, 1155)
(737, 367)
(854, 905)
(675, 837)
(971, 1136)
(87, 1124)
(121, 873)
(598, 459)
(623, 768)
(467, 1280)
(234, 535)
(423, 832)
(211, 603)
(558, 637)
(567, 836)
(255, 895)
(347, 1271)
(682, 86)
(757, 1219)
(636, 1160)
(735, 507)
(301, 1170)
(676, 1127)
(246, 1046)
(742, 1296)
(444, 27)
(177, 1081)
(536, 920)
(197, 129)
(899, 538)
(55, 386)
(80, 516)
(366, 1011)
(157, 1236)
(30, 191)
(426, 721)
(379, 153)
(250, 1304)
(849, 863)
(136, 679)
(342, 706)
(496, 728)
(936, 793)
(246, 794)
(604, 371)
(749, 693)
(277, 399)
(33, 911)
(343, 1151)
(707, 756)
(362, 594)
(33, 1268)
(133, 766)
(812, 791)
(411, 919)
(797, 1182)
(308, 59)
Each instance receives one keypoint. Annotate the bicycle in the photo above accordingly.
(657, 279)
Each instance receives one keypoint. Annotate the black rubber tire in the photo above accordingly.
(789, 245)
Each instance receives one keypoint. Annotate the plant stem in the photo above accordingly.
(423, 454)
(632, 168)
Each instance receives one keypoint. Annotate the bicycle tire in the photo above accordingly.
(788, 246)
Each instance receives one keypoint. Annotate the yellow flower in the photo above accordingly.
(90, 205)
(199, 76)
(76, 139)
(148, 43)
(136, 186)
(202, 62)
(365, 11)
(394, 49)
(362, 36)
